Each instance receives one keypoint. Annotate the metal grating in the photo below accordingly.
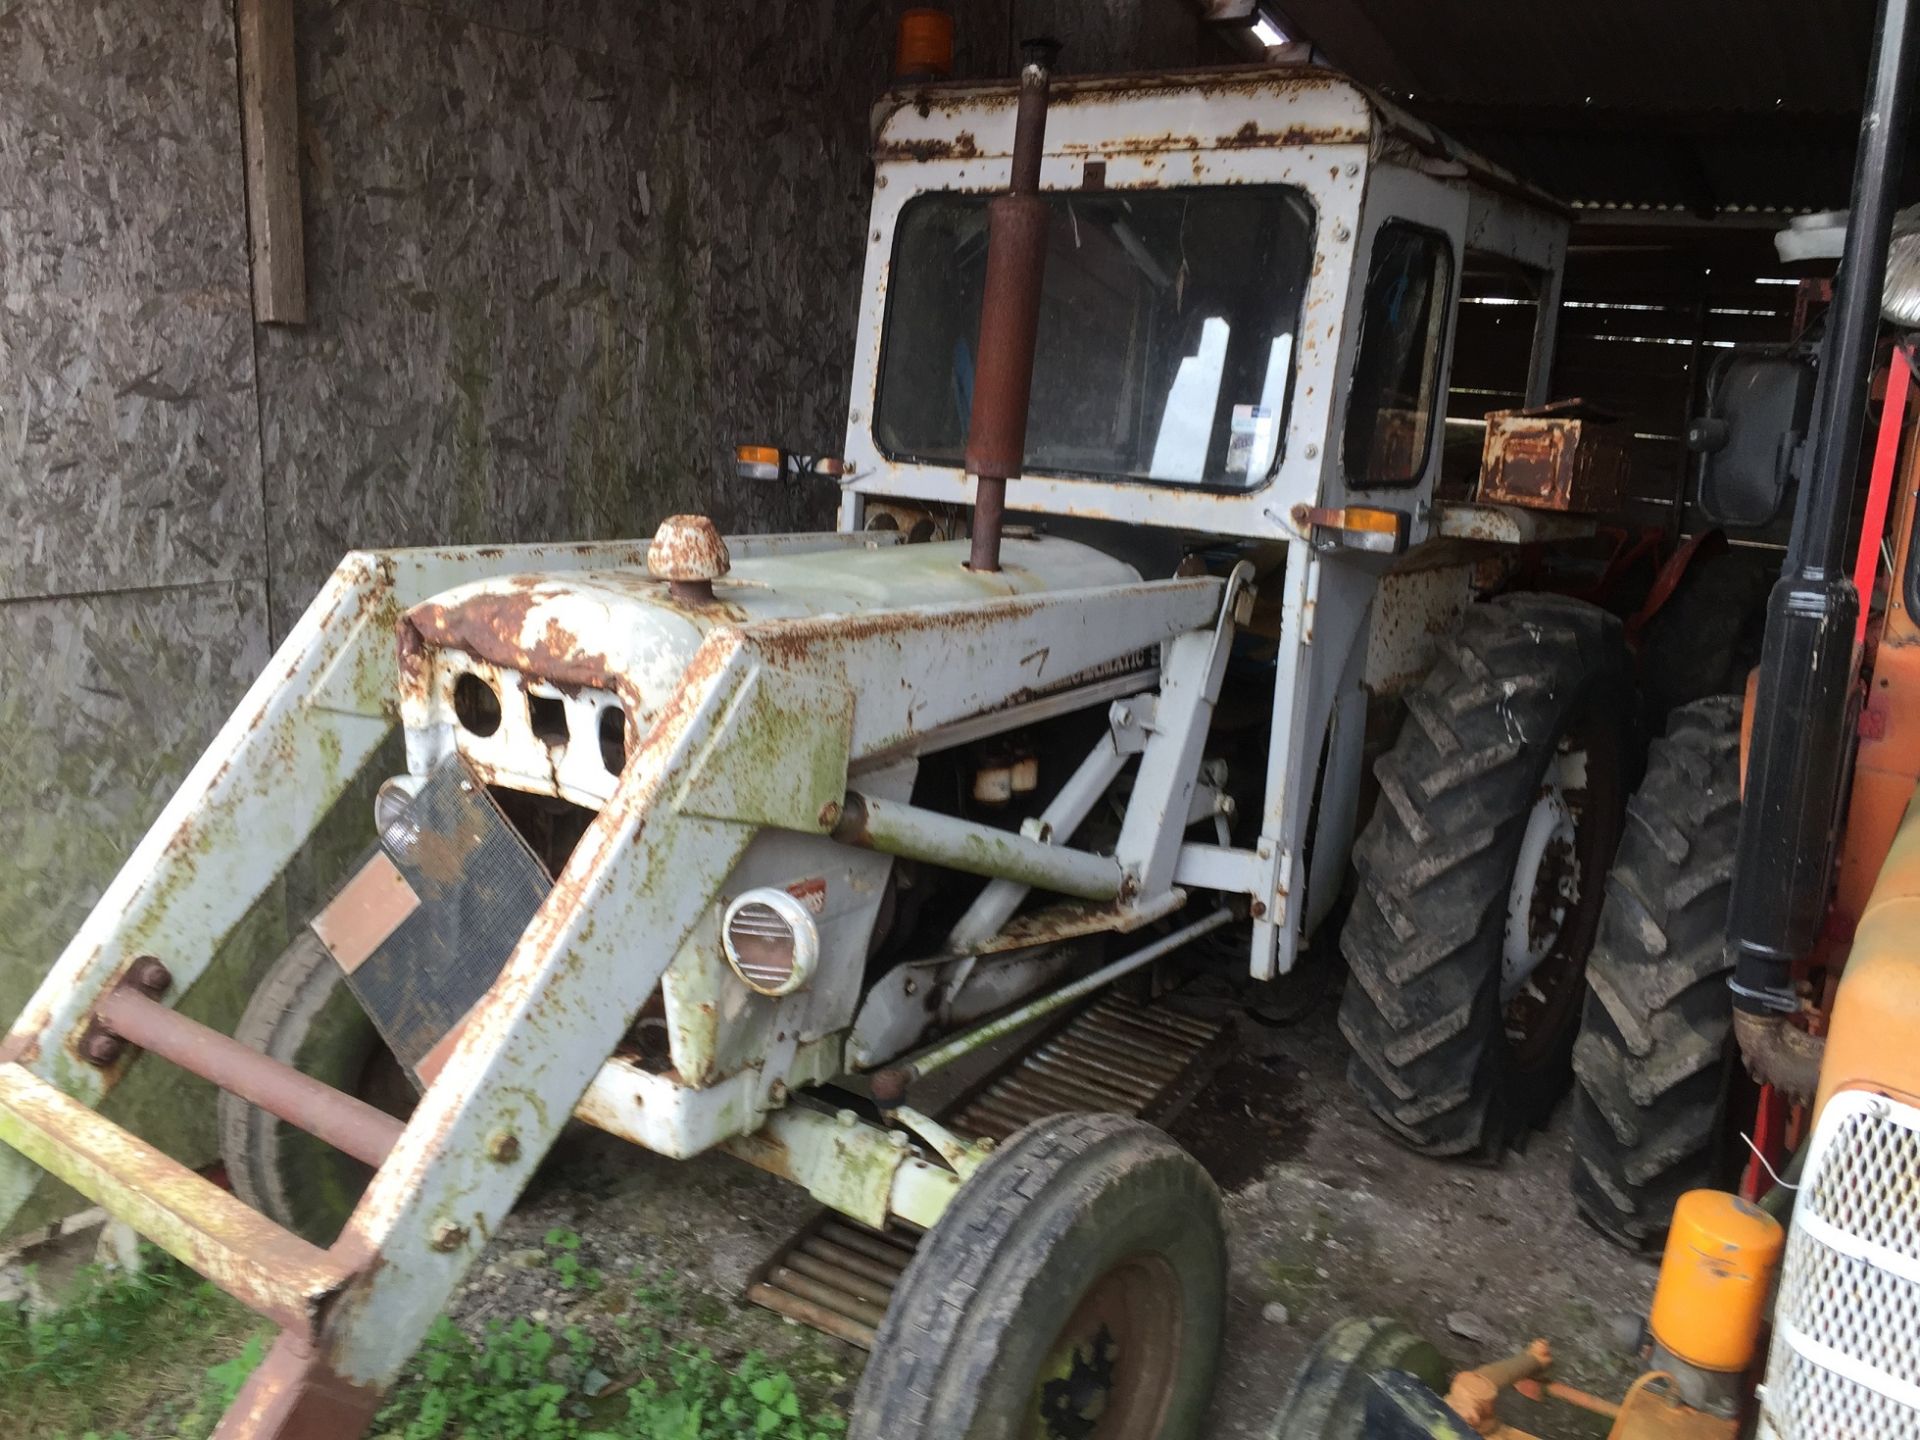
(1845, 1363)
(1115, 1056)
(478, 887)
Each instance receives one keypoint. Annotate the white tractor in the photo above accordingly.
(691, 830)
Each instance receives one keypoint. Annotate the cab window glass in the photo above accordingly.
(1166, 340)
(1395, 391)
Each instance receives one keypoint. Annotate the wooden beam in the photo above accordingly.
(270, 128)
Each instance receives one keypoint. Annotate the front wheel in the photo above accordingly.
(1074, 1290)
(1328, 1397)
(304, 1015)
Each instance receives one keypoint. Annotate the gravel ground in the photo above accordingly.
(1328, 1218)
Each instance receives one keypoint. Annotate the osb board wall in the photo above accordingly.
(560, 261)
(128, 448)
(561, 257)
(132, 603)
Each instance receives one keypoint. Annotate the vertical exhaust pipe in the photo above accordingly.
(1009, 315)
(1801, 754)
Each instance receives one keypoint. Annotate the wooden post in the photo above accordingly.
(270, 127)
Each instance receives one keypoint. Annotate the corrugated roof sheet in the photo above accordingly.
(1703, 105)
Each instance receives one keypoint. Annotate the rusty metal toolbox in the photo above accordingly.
(1568, 455)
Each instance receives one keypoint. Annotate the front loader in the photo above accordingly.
(727, 843)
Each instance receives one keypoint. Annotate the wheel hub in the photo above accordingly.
(1546, 878)
(1072, 1405)
(1109, 1374)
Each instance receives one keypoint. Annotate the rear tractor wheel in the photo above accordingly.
(1481, 875)
(1074, 1290)
(1655, 1056)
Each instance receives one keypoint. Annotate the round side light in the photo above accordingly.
(771, 941)
(394, 817)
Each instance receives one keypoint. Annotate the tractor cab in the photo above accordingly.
(1246, 311)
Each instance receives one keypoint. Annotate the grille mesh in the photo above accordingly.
(1808, 1402)
(1870, 1184)
(1862, 1179)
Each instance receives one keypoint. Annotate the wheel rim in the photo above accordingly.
(1546, 878)
(1553, 906)
(1110, 1373)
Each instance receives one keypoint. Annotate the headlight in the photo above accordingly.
(393, 815)
(770, 941)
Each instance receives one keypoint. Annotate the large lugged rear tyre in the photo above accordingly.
(1074, 1290)
(1654, 1058)
(1481, 874)
(304, 1015)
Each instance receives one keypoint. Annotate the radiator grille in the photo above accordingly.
(1846, 1351)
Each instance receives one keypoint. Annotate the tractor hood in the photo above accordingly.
(543, 682)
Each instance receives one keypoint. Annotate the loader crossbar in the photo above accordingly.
(343, 1121)
(267, 1269)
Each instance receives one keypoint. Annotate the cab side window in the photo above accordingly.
(1395, 391)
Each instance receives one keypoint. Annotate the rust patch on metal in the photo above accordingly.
(688, 549)
(940, 147)
(295, 1395)
(492, 627)
(1251, 137)
(1563, 456)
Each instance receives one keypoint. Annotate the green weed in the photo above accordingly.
(137, 1357)
(567, 1268)
(520, 1381)
(127, 1354)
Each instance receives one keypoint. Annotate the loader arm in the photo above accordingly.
(319, 711)
(759, 734)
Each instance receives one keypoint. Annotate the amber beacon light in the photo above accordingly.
(925, 49)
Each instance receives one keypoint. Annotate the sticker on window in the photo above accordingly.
(1250, 440)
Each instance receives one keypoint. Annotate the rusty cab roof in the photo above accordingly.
(1228, 108)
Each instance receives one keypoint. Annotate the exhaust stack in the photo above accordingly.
(1799, 764)
(1009, 315)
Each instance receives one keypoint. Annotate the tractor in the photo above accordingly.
(732, 842)
(1764, 903)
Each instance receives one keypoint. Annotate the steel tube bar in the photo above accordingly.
(1065, 813)
(927, 835)
(327, 1114)
(882, 1252)
(851, 1282)
(829, 1322)
(852, 1261)
(965, 1044)
(1011, 717)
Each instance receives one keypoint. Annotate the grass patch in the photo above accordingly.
(152, 1354)
(162, 1354)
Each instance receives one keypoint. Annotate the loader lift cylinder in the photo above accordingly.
(1798, 766)
(1009, 316)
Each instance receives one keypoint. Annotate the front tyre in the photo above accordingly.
(304, 1015)
(1481, 874)
(1328, 1398)
(1074, 1290)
